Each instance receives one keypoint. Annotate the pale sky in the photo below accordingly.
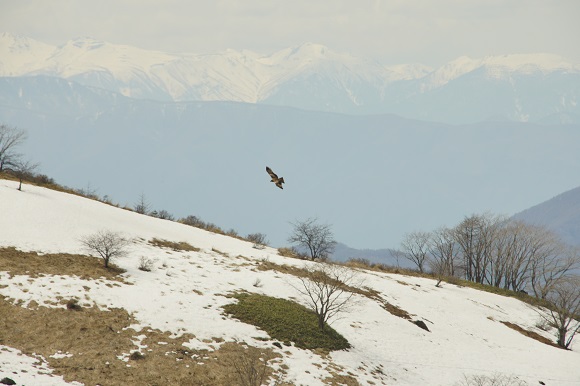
(431, 32)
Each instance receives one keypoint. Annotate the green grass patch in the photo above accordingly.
(286, 321)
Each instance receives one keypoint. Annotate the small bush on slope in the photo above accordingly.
(286, 321)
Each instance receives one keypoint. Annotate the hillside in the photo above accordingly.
(383, 175)
(536, 87)
(561, 214)
(173, 315)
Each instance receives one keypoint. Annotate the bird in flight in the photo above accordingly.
(275, 179)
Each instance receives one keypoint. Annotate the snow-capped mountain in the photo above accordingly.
(534, 87)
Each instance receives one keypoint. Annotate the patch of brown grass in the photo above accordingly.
(97, 338)
(31, 263)
(291, 252)
(377, 267)
(395, 310)
(530, 334)
(176, 246)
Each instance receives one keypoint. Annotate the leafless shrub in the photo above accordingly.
(491, 380)
(251, 368)
(259, 239)
(163, 215)
(193, 221)
(107, 244)
(257, 283)
(329, 290)
(146, 264)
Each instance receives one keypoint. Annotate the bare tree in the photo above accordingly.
(329, 290)
(415, 247)
(444, 251)
(107, 244)
(142, 206)
(554, 261)
(10, 139)
(317, 238)
(564, 296)
(475, 235)
(22, 169)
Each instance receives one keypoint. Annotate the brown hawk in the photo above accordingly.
(275, 179)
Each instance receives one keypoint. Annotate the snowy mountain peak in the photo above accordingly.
(84, 43)
(308, 75)
(499, 67)
(311, 49)
(20, 55)
(524, 62)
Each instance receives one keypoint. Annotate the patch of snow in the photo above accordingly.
(28, 370)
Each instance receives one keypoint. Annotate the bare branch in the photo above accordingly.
(317, 238)
(10, 139)
(329, 290)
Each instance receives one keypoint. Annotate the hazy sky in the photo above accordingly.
(391, 31)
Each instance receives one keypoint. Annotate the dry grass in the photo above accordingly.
(377, 267)
(97, 338)
(180, 246)
(16, 262)
(530, 334)
(94, 339)
(395, 310)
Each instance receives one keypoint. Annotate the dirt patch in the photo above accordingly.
(31, 263)
(530, 334)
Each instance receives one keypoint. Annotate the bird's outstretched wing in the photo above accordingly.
(271, 173)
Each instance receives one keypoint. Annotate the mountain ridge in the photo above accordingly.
(311, 76)
(560, 214)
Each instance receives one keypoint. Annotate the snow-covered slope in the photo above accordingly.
(184, 292)
(519, 87)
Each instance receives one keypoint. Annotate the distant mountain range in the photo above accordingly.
(560, 214)
(525, 88)
(383, 175)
